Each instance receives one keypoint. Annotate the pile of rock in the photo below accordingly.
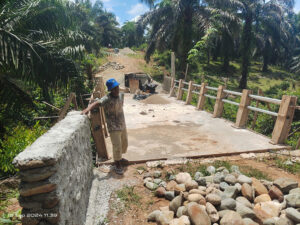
(114, 65)
(225, 198)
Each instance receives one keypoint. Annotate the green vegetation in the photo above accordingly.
(128, 196)
(9, 217)
(291, 168)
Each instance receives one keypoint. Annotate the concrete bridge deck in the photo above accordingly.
(173, 129)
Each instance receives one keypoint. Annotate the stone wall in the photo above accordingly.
(56, 174)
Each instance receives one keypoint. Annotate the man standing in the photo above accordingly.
(113, 108)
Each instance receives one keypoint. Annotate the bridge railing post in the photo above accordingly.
(201, 100)
(243, 111)
(219, 105)
(180, 91)
(284, 119)
(190, 93)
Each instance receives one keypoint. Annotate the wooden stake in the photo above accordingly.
(173, 64)
(201, 100)
(190, 93)
(243, 112)
(219, 105)
(180, 91)
(284, 119)
(63, 112)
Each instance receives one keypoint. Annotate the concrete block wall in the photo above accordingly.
(167, 83)
(56, 174)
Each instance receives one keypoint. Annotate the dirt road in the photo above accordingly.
(127, 58)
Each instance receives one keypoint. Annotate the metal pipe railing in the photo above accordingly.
(187, 83)
(196, 92)
(262, 111)
(176, 81)
(212, 88)
(197, 85)
(265, 99)
(230, 102)
(210, 96)
(184, 89)
(233, 92)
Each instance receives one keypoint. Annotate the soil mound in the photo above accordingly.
(155, 99)
(127, 51)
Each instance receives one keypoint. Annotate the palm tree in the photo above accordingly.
(249, 11)
(174, 25)
(37, 45)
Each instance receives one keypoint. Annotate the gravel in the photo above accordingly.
(104, 184)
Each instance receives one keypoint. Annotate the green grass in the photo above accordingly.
(294, 168)
(128, 196)
(252, 172)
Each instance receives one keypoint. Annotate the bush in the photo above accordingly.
(14, 142)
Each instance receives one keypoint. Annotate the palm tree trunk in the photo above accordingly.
(266, 56)
(246, 44)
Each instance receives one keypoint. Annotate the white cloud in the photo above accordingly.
(105, 0)
(135, 19)
(138, 9)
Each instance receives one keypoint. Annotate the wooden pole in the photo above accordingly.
(173, 64)
(201, 100)
(180, 91)
(52, 106)
(219, 105)
(243, 112)
(190, 93)
(284, 119)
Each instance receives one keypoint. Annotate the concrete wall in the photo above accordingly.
(56, 174)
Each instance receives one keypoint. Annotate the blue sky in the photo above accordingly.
(127, 10)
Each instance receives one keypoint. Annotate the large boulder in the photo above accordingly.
(213, 199)
(293, 200)
(247, 191)
(183, 178)
(258, 187)
(197, 198)
(197, 214)
(293, 214)
(231, 218)
(212, 212)
(266, 210)
(285, 184)
(276, 193)
(176, 203)
(244, 211)
(228, 203)
(262, 198)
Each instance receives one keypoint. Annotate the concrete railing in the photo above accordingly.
(284, 115)
(56, 174)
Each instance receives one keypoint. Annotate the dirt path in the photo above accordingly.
(126, 57)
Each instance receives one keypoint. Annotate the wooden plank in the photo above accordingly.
(52, 106)
(173, 71)
(201, 100)
(102, 93)
(97, 129)
(190, 93)
(243, 112)
(219, 105)
(98, 133)
(81, 102)
(75, 102)
(133, 85)
(63, 112)
(284, 119)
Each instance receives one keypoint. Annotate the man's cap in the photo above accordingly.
(111, 83)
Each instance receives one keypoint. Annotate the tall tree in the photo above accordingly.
(174, 25)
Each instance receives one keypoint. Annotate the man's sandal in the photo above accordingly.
(119, 170)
